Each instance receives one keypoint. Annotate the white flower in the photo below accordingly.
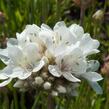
(63, 49)
(61, 36)
(69, 64)
(54, 41)
(22, 62)
(74, 64)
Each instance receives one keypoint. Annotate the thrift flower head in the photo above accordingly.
(52, 59)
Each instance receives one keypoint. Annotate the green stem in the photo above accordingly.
(12, 105)
(16, 100)
(22, 101)
(50, 102)
(36, 101)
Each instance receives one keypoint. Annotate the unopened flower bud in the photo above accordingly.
(26, 84)
(19, 84)
(77, 2)
(61, 89)
(39, 80)
(54, 93)
(47, 85)
(98, 15)
(44, 75)
(51, 78)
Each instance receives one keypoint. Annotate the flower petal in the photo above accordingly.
(3, 76)
(59, 24)
(77, 31)
(39, 65)
(12, 42)
(59, 50)
(4, 56)
(4, 52)
(31, 51)
(46, 37)
(4, 59)
(93, 65)
(32, 28)
(96, 87)
(4, 83)
(7, 71)
(54, 70)
(91, 46)
(15, 54)
(25, 75)
(66, 38)
(45, 27)
(25, 36)
(74, 62)
(17, 71)
(20, 73)
(92, 76)
(70, 77)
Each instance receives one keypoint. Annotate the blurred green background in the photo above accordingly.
(16, 14)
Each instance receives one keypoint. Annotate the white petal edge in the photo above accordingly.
(3, 76)
(15, 54)
(92, 76)
(4, 83)
(4, 59)
(20, 73)
(39, 66)
(58, 25)
(76, 31)
(90, 52)
(4, 52)
(12, 42)
(54, 70)
(45, 27)
(70, 77)
(25, 75)
(16, 72)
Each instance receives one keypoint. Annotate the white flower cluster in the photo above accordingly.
(52, 59)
